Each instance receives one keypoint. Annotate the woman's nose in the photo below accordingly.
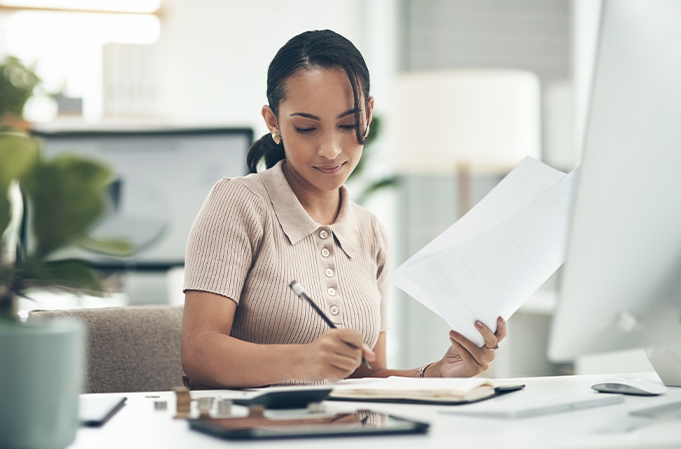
(330, 148)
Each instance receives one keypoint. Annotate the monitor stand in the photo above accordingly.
(666, 361)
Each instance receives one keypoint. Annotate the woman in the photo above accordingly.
(243, 326)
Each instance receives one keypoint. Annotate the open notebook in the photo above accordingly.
(415, 390)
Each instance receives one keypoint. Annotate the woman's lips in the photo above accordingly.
(329, 170)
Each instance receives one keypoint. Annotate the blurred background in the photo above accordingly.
(464, 89)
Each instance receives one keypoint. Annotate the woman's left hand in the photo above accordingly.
(464, 358)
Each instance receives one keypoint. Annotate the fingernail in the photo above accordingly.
(501, 320)
(478, 324)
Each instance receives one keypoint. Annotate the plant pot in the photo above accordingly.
(41, 375)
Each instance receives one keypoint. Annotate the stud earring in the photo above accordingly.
(276, 137)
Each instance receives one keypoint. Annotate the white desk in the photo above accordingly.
(138, 425)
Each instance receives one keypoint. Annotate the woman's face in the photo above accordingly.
(317, 126)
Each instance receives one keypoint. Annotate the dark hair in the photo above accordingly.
(325, 49)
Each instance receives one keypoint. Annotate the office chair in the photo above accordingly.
(135, 348)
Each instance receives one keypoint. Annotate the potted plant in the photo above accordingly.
(42, 365)
(17, 83)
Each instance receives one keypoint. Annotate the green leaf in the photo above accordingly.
(18, 153)
(17, 83)
(68, 274)
(376, 186)
(85, 172)
(374, 129)
(374, 132)
(6, 275)
(7, 297)
(4, 213)
(67, 198)
(120, 247)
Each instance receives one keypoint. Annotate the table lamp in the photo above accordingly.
(460, 121)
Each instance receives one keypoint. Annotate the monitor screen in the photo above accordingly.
(621, 286)
(161, 179)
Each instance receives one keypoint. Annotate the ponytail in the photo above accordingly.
(264, 147)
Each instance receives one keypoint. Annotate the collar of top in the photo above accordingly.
(295, 221)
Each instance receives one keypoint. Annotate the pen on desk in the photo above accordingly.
(302, 294)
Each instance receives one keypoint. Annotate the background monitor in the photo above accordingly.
(621, 285)
(162, 178)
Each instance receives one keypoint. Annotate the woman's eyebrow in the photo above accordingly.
(314, 117)
(306, 115)
(346, 113)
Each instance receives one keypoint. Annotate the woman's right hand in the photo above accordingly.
(334, 355)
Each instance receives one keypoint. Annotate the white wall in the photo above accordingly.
(215, 53)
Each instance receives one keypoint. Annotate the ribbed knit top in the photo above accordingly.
(252, 238)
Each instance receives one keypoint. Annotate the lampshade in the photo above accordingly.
(478, 118)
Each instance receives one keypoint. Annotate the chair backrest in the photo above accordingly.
(135, 348)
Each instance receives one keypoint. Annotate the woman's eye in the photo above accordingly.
(303, 130)
(348, 127)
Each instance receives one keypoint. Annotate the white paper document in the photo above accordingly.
(491, 260)
(431, 389)
(397, 383)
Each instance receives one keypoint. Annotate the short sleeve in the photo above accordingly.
(383, 264)
(223, 240)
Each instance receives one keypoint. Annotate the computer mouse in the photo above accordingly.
(630, 385)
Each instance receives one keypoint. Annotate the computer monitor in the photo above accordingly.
(621, 287)
(162, 177)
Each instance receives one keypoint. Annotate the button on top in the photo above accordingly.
(332, 291)
(328, 272)
(323, 234)
(325, 252)
(334, 310)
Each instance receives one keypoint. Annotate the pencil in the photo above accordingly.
(302, 294)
